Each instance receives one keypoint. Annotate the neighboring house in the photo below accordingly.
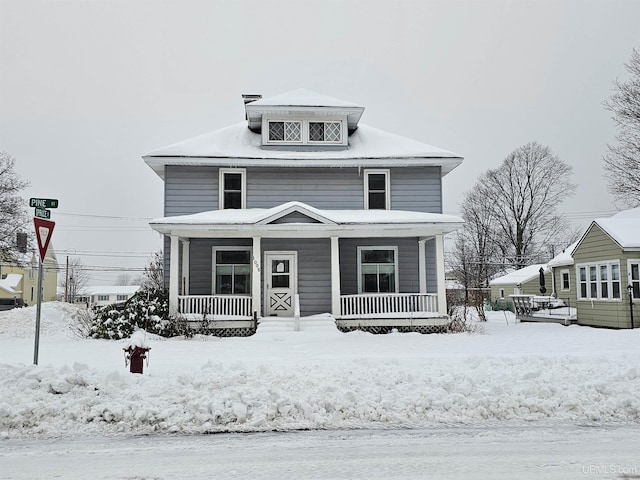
(100, 296)
(19, 280)
(303, 201)
(525, 281)
(563, 278)
(607, 266)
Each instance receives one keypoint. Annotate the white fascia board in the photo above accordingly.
(306, 230)
(447, 164)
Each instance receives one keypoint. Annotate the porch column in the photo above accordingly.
(185, 267)
(256, 281)
(442, 292)
(422, 265)
(174, 278)
(335, 277)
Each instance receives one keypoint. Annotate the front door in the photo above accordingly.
(280, 283)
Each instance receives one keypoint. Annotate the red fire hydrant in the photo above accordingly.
(134, 356)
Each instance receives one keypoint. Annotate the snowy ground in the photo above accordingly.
(514, 380)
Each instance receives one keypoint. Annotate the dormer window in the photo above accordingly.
(285, 131)
(325, 132)
(277, 131)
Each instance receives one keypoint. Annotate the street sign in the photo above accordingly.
(43, 213)
(44, 229)
(43, 203)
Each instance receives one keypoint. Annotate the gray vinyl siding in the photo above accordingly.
(314, 270)
(408, 268)
(597, 247)
(195, 189)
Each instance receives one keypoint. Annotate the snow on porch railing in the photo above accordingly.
(384, 303)
(231, 305)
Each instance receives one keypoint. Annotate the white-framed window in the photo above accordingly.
(377, 269)
(565, 279)
(377, 190)
(122, 298)
(325, 132)
(502, 293)
(633, 269)
(281, 131)
(233, 188)
(232, 271)
(103, 298)
(599, 281)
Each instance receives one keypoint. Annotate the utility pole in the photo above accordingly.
(66, 283)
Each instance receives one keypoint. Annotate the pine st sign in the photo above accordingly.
(41, 205)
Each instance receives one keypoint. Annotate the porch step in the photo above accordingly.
(322, 322)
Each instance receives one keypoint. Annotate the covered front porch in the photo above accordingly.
(327, 259)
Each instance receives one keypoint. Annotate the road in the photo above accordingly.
(495, 452)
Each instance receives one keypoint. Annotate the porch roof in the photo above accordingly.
(309, 222)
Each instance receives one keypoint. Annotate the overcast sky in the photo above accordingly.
(88, 87)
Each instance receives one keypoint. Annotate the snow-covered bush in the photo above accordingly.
(148, 309)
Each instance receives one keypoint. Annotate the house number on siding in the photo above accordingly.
(255, 262)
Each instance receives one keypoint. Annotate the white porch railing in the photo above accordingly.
(386, 303)
(223, 305)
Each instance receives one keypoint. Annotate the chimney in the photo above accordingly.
(248, 98)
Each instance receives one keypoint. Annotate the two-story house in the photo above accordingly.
(302, 201)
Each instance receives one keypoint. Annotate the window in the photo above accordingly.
(565, 280)
(103, 298)
(232, 271)
(377, 269)
(376, 190)
(634, 277)
(330, 132)
(233, 187)
(285, 131)
(122, 298)
(502, 293)
(599, 282)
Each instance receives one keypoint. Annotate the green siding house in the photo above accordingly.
(607, 272)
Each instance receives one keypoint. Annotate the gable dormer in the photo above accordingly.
(302, 119)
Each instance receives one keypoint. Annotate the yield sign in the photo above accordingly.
(44, 229)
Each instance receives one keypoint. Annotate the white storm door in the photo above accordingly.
(280, 283)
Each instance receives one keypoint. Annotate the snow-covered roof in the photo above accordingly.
(303, 97)
(623, 227)
(333, 220)
(520, 276)
(111, 290)
(564, 258)
(10, 283)
(237, 145)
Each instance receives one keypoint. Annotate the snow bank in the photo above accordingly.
(315, 380)
(367, 394)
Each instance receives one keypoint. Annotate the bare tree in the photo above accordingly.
(523, 195)
(13, 209)
(153, 276)
(622, 163)
(75, 280)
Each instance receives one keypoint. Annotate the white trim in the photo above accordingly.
(335, 276)
(395, 262)
(230, 248)
(387, 186)
(256, 277)
(562, 272)
(304, 122)
(440, 274)
(243, 176)
(632, 261)
(598, 281)
(174, 264)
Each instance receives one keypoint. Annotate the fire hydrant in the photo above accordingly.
(134, 357)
